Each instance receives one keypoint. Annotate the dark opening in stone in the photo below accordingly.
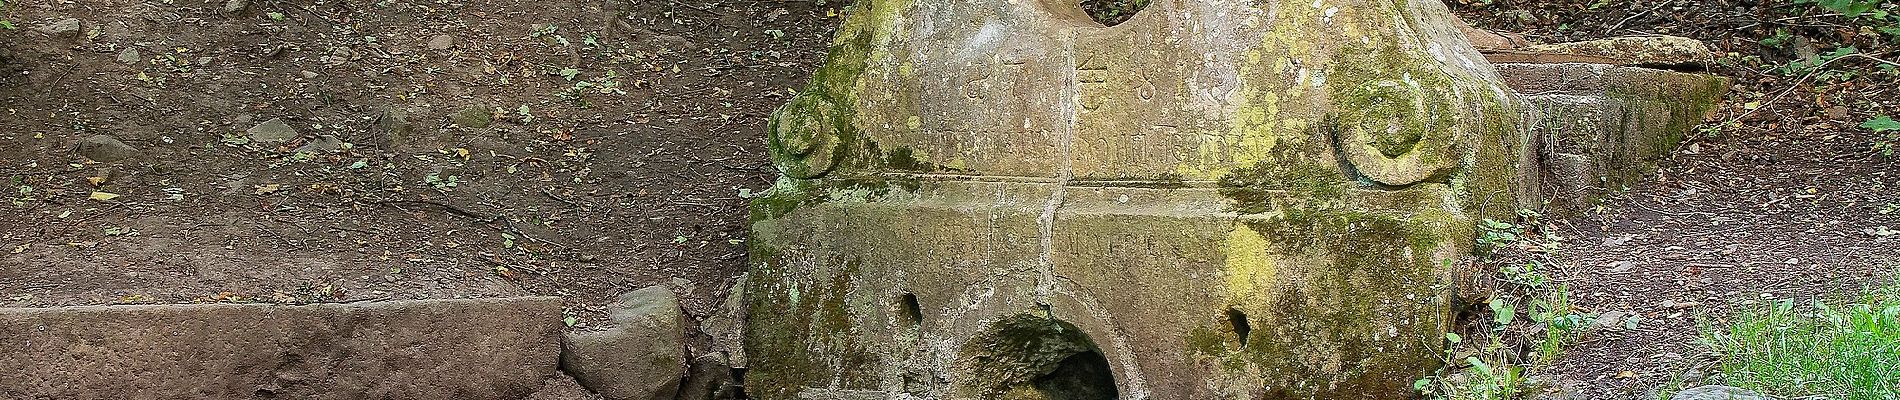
(1034, 357)
(911, 312)
(1239, 321)
(1083, 376)
(1113, 12)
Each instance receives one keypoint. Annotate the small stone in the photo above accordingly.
(709, 378)
(308, 75)
(1692, 376)
(322, 145)
(1837, 113)
(129, 56)
(1610, 320)
(105, 148)
(272, 131)
(475, 117)
(235, 6)
(642, 357)
(63, 27)
(441, 42)
(392, 127)
(1718, 393)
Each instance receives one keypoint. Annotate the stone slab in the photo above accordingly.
(1654, 50)
(1601, 127)
(431, 349)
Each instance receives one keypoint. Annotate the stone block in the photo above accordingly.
(435, 349)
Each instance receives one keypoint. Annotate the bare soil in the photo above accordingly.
(625, 137)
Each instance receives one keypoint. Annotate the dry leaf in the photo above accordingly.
(103, 196)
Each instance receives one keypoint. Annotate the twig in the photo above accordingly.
(557, 197)
(497, 222)
(1619, 24)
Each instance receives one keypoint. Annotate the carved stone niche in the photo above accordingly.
(1004, 199)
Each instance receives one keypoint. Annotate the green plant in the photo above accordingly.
(1529, 320)
(1561, 322)
(1889, 131)
(1113, 12)
(442, 183)
(1876, 14)
(1481, 380)
(1839, 350)
(26, 193)
(4, 22)
(1494, 235)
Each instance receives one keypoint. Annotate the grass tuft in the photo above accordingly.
(1847, 350)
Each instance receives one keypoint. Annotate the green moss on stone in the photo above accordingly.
(1323, 336)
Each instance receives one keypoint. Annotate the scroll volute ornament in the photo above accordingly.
(805, 136)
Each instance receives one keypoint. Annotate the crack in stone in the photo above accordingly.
(1071, 96)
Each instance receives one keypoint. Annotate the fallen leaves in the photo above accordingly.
(102, 196)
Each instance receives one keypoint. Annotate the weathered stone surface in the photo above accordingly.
(1602, 127)
(1004, 199)
(1718, 393)
(104, 148)
(438, 349)
(643, 357)
(1671, 51)
(709, 378)
(321, 145)
(441, 42)
(392, 128)
(473, 117)
(273, 131)
(60, 28)
(236, 6)
(563, 387)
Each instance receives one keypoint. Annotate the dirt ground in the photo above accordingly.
(1791, 201)
(442, 149)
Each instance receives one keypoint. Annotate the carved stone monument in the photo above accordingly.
(1004, 199)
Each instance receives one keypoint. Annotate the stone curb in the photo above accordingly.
(426, 349)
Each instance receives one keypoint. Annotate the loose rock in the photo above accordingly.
(105, 148)
(60, 28)
(1719, 393)
(475, 117)
(321, 145)
(1610, 320)
(129, 56)
(272, 131)
(441, 42)
(392, 127)
(235, 6)
(491, 349)
(643, 357)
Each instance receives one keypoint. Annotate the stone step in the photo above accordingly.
(428, 349)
